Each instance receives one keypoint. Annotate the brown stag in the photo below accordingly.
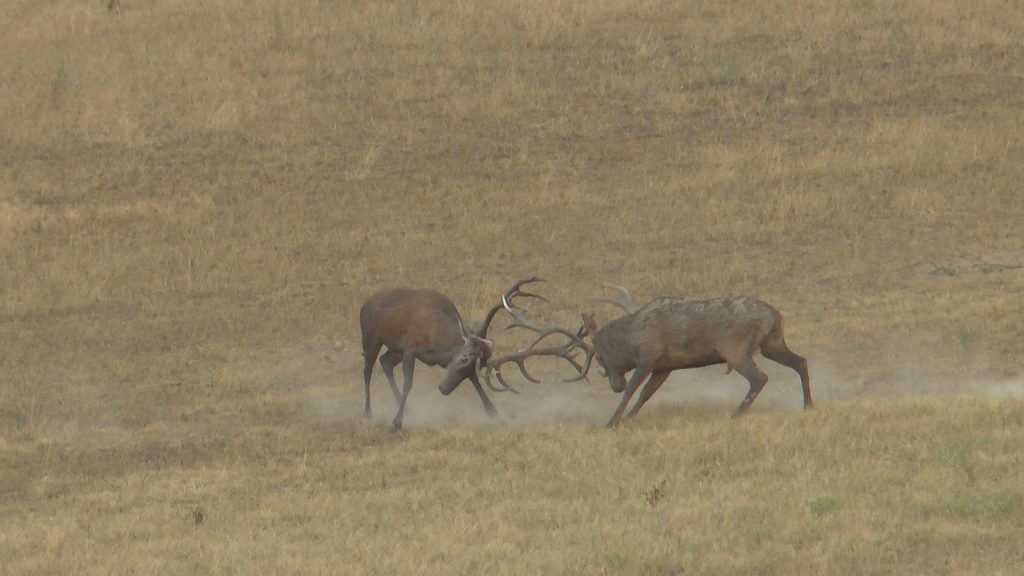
(672, 333)
(424, 325)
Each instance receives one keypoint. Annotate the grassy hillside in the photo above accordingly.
(195, 197)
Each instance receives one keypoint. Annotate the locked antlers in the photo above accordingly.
(565, 351)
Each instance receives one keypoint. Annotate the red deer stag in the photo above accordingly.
(424, 325)
(671, 334)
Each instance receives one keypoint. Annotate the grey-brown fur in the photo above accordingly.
(672, 333)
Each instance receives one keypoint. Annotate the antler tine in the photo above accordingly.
(624, 301)
(515, 289)
(565, 351)
(504, 383)
(581, 370)
(508, 295)
(496, 369)
(584, 370)
(519, 320)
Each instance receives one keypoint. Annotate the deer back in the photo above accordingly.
(692, 332)
(415, 320)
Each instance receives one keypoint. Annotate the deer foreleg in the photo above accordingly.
(634, 382)
(488, 407)
(388, 361)
(655, 382)
(408, 362)
(370, 352)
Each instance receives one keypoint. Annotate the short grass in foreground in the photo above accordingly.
(910, 488)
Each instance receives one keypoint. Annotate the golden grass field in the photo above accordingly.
(195, 198)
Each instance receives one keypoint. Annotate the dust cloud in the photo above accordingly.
(591, 403)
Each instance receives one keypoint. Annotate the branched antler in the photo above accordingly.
(565, 351)
(507, 297)
(578, 342)
(519, 320)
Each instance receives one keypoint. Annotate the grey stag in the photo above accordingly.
(670, 334)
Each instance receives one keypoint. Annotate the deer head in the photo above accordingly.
(466, 362)
(476, 349)
(589, 328)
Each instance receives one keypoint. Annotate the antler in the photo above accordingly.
(624, 301)
(507, 296)
(566, 351)
(588, 349)
(519, 320)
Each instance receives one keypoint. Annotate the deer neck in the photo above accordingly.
(615, 346)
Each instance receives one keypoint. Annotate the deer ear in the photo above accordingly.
(589, 323)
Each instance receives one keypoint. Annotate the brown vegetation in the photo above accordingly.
(196, 197)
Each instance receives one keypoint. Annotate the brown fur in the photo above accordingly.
(424, 325)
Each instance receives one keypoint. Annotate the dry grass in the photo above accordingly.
(196, 196)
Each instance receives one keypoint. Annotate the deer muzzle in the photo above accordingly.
(450, 383)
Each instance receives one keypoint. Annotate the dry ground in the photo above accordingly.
(196, 196)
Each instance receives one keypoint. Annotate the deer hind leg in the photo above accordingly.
(653, 383)
(739, 356)
(488, 407)
(634, 382)
(757, 379)
(408, 363)
(776, 349)
(388, 361)
(370, 351)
